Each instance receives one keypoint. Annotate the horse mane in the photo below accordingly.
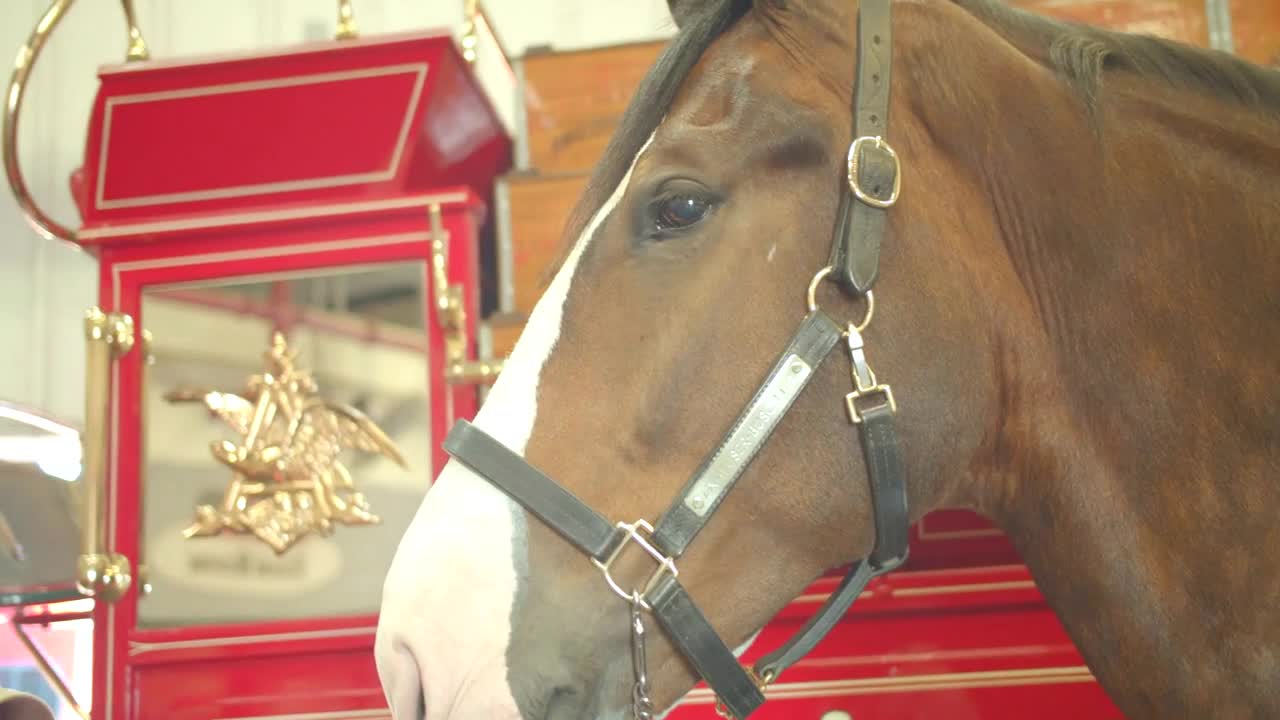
(1083, 54)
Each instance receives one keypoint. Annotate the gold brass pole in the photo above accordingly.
(470, 38)
(99, 573)
(346, 21)
(452, 315)
(137, 46)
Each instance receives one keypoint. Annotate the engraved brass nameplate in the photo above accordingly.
(776, 396)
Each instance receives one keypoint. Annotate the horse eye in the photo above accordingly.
(680, 211)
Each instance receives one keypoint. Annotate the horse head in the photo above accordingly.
(766, 175)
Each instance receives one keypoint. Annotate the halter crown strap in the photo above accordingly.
(873, 171)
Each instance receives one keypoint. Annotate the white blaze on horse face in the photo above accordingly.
(445, 621)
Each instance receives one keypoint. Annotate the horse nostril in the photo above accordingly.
(565, 703)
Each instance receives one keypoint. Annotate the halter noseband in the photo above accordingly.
(874, 177)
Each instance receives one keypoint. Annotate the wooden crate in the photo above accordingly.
(574, 100)
(502, 339)
(1181, 20)
(1256, 28)
(538, 208)
(1255, 23)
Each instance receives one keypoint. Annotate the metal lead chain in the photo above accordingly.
(641, 705)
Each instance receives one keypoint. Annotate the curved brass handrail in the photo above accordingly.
(22, 66)
(27, 54)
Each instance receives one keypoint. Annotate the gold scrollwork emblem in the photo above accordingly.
(286, 479)
(458, 370)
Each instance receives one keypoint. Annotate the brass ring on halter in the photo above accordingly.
(813, 298)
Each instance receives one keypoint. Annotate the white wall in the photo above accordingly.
(44, 287)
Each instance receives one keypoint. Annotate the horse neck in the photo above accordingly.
(1139, 427)
(1146, 246)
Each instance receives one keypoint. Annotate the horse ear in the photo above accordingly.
(683, 10)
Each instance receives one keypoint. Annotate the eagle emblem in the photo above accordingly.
(286, 478)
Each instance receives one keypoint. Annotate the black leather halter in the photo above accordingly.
(873, 184)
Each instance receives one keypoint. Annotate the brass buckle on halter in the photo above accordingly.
(851, 401)
(864, 378)
(856, 185)
(666, 565)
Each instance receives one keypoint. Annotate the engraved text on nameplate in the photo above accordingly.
(745, 439)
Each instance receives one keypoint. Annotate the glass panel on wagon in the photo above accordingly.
(287, 436)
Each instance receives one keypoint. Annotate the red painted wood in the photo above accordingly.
(959, 538)
(966, 643)
(139, 668)
(300, 681)
(362, 120)
(971, 643)
(148, 169)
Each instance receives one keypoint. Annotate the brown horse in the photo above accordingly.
(1078, 310)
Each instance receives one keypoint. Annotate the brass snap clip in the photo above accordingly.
(864, 378)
